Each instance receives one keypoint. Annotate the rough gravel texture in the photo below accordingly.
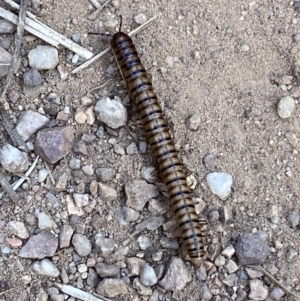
(220, 69)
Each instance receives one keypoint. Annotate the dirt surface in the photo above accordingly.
(233, 61)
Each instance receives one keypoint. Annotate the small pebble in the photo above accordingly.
(43, 57)
(148, 276)
(245, 48)
(193, 122)
(46, 268)
(286, 107)
(140, 18)
(291, 255)
(257, 290)
(220, 184)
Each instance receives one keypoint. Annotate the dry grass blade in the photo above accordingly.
(18, 42)
(7, 188)
(97, 12)
(19, 182)
(13, 133)
(77, 293)
(96, 57)
(44, 32)
(284, 288)
(6, 123)
(96, 3)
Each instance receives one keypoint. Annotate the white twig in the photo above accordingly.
(96, 57)
(19, 182)
(96, 3)
(77, 293)
(97, 12)
(47, 34)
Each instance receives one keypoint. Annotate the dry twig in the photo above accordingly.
(96, 13)
(96, 57)
(77, 293)
(44, 32)
(6, 122)
(284, 288)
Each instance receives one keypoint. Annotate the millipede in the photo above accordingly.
(139, 87)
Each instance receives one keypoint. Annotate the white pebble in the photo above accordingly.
(286, 107)
(46, 268)
(245, 48)
(148, 276)
(140, 18)
(220, 184)
(43, 173)
(44, 221)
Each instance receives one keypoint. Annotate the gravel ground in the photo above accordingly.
(93, 213)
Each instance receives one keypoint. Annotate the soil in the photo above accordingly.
(233, 61)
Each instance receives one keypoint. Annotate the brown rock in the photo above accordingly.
(54, 143)
(138, 193)
(106, 193)
(40, 246)
(112, 287)
(65, 235)
(80, 148)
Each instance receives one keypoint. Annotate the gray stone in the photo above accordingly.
(140, 18)
(107, 270)
(135, 265)
(7, 26)
(220, 261)
(286, 107)
(32, 78)
(142, 290)
(250, 249)
(257, 290)
(220, 184)
(231, 266)
(112, 287)
(206, 295)
(209, 161)
(81, 199)
(193, 122)
(40, 246)
(5, 58)
(291, 255)
(111, 112)
(54, 143)
(81, 244)
(138, 193)
(46, 268)
(105, 246)
(144, 242)
(64, 238)
(129, 214)
(228, 251)
(105, 174)
(18, 229)
(29, 123)
(152, 223)
(201, 273)
(276, 293)
(293, 219)
(213, 216)
(43, 57)
(12, 159)
(45, 221)
(43, 174)
(148, 276)
(93, 278)
(177, 276)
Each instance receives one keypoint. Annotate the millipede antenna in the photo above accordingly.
(121, 19)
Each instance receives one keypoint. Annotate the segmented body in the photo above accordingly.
(139, 87)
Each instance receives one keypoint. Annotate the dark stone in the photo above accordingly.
(250, 249)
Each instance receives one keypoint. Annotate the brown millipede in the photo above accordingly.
(140, 89)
